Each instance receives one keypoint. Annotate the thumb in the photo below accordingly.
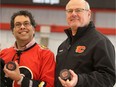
(17, 65)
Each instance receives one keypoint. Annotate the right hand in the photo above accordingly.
(72, 82)
(14, 75)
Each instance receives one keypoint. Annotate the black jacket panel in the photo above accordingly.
(93, 62)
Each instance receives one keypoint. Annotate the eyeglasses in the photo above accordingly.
(18, 25)
(78, 10)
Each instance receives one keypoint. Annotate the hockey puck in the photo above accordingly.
(11, 66)
(65, 74)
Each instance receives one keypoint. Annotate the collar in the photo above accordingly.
(80, 32)
(32, 42)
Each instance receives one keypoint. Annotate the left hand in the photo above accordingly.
(14, 75)
(72, 82)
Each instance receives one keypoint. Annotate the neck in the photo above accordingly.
(74, 31)
(21, 45)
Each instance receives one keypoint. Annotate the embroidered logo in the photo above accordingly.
(43, 47)
(60, 51)
(80, 49)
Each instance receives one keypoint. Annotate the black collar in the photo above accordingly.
(80, 32)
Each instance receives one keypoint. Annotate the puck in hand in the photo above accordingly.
(65, 74)
(11, 66)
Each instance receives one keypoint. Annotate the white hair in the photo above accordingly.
(87, 6)
(81, 1)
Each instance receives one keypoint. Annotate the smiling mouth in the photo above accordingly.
(24, 32)
(74, 19)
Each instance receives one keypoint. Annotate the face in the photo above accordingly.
(23, 30)
(76, 14)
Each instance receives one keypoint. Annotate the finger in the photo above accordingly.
(16, 64)
(74, 76)
(4, 66)
(68, 82)
(62, 81)
(72, 73)
(5, 69)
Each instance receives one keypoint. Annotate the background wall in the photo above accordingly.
(55, 39)
(105, 21)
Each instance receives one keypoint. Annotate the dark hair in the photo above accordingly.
(25, 13)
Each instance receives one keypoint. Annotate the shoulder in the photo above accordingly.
(103, 42)
(96, 36)
(43, 48)
(45, 52)
(6, 50)
(102, 38)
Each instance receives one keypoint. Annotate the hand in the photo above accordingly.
(72, 82)
(14, 75)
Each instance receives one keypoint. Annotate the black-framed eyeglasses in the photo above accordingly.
(78, 10)
(18, 24)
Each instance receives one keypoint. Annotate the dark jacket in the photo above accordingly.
(90, 54)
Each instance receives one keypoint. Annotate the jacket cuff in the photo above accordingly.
(32, 83)
(80, 80)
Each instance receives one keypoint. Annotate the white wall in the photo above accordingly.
(105, 19)
(52, 17)
(55, 39)
(57, 17)
(42, 16)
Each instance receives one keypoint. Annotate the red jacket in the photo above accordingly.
(36, 63)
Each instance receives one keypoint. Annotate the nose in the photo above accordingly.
(74, 12)
(22, 26)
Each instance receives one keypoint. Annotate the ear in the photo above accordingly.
(33, 31)
(89, 13)
(13, 31)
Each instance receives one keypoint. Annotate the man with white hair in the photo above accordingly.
(88, 55)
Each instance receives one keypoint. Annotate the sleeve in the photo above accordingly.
(26, 82)
(2, 75)
(47, 72)
(4, 81)
(103, 74)
(32, 83)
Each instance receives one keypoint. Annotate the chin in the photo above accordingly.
(74, 25)
(24, 38)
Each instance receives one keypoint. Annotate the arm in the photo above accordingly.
(104, 67)
(23, 81)
(48, 68)
(46, 73)
(103, 74)
(2, 83)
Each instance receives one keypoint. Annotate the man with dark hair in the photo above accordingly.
(34, 64)
(86, 53)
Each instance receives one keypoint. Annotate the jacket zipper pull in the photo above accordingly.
(69, 47)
